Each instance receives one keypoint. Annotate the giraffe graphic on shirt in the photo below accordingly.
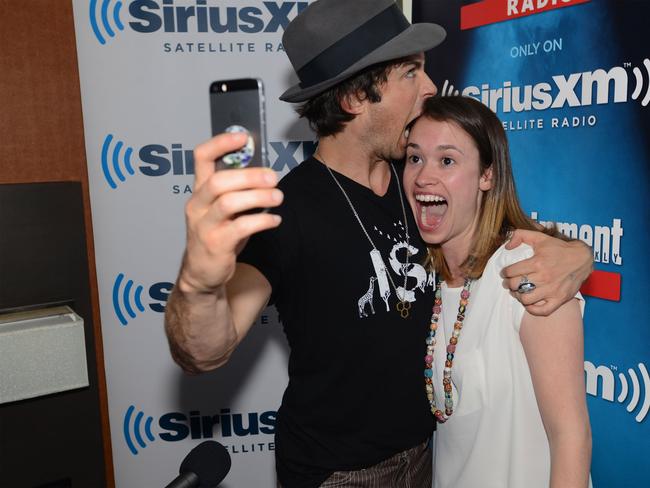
(367, 299)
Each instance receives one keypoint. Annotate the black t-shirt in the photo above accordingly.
(356, 369)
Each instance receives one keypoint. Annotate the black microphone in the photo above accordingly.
(205, 466)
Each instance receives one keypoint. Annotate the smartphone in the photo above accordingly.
(238, 106)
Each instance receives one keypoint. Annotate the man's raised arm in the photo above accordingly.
(216, 300)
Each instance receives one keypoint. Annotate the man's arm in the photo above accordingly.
(558, 269)
(216, 300)
(204, 329)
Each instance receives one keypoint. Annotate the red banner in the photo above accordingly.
(490, 11)
(603, 284)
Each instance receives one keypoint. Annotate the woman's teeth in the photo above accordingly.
(430, 199)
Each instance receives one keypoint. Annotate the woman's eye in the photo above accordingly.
(414, 159)
(447, 161)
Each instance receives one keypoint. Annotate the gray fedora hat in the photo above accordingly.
(332, 40)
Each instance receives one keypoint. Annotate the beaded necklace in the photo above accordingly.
(451, 350)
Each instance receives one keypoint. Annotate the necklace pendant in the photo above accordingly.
(404, 308)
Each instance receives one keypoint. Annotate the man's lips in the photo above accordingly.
(409, 126)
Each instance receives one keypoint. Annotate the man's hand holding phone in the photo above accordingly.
(217, 223)
(215, 300)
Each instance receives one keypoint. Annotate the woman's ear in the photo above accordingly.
(485, 183)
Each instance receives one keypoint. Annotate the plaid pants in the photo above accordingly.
(407, 469)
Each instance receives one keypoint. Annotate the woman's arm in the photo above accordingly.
(555, 353)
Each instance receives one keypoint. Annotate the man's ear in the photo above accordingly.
(485, 183)
(353, 104)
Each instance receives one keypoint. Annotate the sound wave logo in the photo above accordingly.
(105, 17)
(606, 374)
(114, 158)
(124, 298)
(135, 430)
(638, 76)
(448, 90)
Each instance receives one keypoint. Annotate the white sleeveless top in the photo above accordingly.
(495, 437)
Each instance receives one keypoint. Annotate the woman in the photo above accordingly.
(506, 387)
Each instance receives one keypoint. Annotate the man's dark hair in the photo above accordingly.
(324, 112)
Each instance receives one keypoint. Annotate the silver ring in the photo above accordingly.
(525, 285)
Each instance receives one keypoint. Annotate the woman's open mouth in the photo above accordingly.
(431, 210)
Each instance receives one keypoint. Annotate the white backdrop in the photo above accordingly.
(145, 69)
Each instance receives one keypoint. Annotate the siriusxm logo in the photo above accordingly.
(198, 16)
(127, 298)
(156, 160)
(109, 16)
(575, 90)
(176, 426)
(608, 387)
(113, 157)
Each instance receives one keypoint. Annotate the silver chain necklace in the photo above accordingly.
(403, 306)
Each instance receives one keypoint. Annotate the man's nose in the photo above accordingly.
(429, 89)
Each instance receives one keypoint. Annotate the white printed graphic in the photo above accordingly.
(608, 386)
(639, 83)
(367, 299)
(605, 240)
(382, 277)
(401, 268)
(448, 90)
(412, 270)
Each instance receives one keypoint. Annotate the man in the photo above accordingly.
(341, 257)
